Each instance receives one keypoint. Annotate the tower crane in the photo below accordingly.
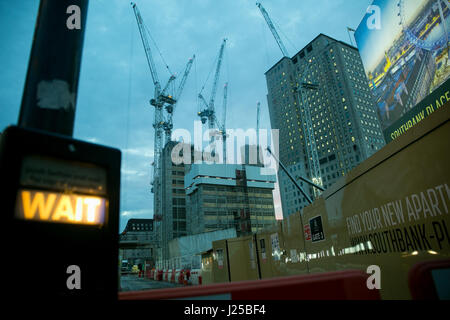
(272, 29)
(160, 101)
(170, 108)
(208, 114)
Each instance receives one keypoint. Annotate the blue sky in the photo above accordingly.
(115, 83)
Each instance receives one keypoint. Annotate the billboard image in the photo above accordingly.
(404, 48)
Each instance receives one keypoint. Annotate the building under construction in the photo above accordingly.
(222, 196)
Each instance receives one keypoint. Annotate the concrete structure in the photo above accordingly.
(229, 196)
(344, 118)
(138, 242)
(173, 222)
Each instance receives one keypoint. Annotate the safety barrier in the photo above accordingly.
(172, 275)
(160, 275)
(424, 286)
(182, 277)
(341, 285)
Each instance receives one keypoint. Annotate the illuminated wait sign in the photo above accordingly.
(60, 207)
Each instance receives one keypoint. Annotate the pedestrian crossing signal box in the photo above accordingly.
(60, 212)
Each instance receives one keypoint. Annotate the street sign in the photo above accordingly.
(60, 211)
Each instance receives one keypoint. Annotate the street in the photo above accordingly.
(131, 282)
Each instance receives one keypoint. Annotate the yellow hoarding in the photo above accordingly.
(242, 259)
(392, 211)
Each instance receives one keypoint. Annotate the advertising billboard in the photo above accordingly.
(404, 45)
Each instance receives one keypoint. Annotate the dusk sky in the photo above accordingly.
(115, 84)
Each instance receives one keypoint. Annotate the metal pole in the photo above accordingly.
(290, 177)
(349, 35)
(51, 85)
(304, 194)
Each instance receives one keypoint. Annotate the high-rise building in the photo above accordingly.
(320, 101)
(222, 196)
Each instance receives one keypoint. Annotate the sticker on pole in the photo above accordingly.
(316, 226)
(307, 230)
(219, 255)
(276, 252)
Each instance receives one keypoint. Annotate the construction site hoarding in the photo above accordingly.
(404, 48)
(263, 242)
(242, 259)
(186, 251)
(392, 211)
(220, 262)
(207, 267)
(235, 260)
(294, 242)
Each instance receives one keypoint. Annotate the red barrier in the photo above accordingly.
(420, 278)
(187, 277)
(181, 277)
(159, 275)
(172, 276)
(341, 285)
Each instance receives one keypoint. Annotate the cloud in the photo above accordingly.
(135, 213)
(142, 152)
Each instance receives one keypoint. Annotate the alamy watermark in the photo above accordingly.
(237, 146)
(74, 20)
(374, 19)
(374, 281)
(74, 280)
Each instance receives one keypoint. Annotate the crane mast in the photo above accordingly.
(272, 29)
(208, 114)
(224, 106)
(170, 108)
(214, 88)
(223, 127)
